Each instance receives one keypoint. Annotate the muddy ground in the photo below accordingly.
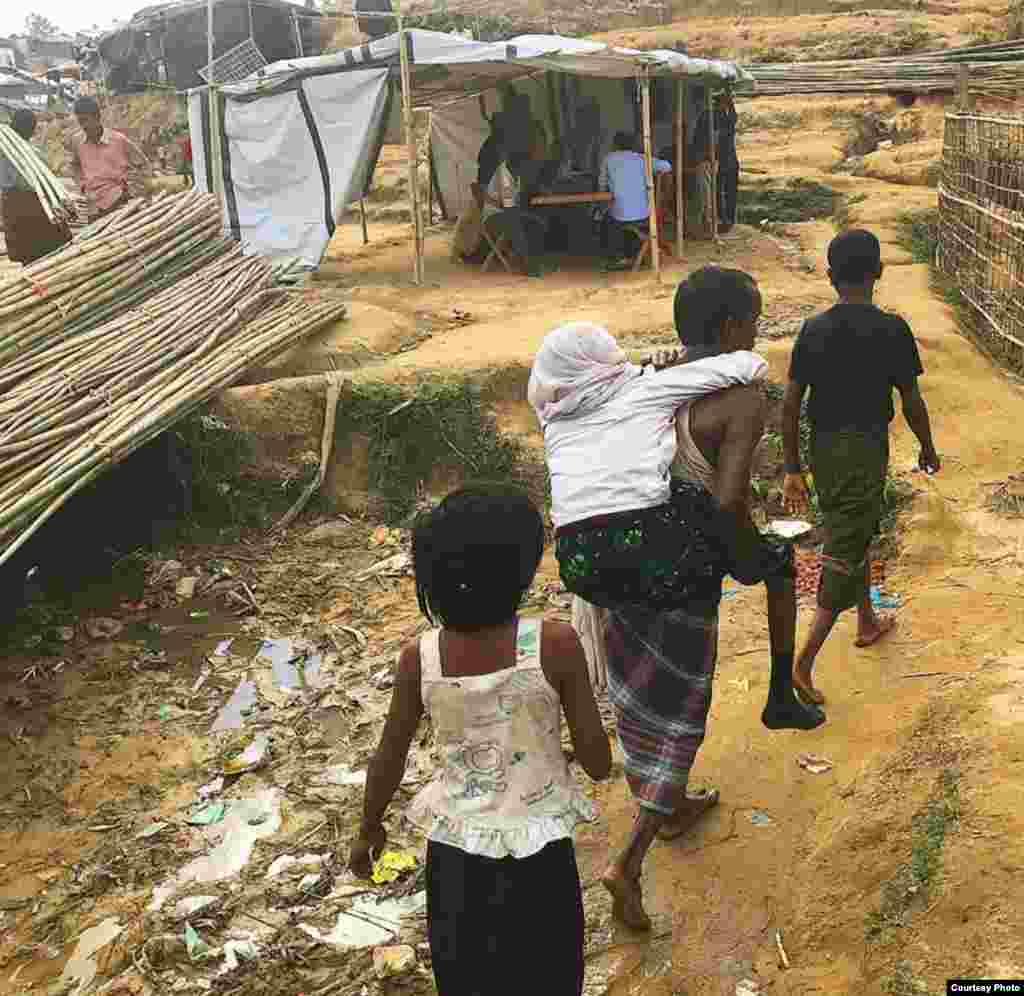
(894, 869)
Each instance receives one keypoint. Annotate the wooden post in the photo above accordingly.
(679, 164)
(362, 216)
(430, 184)
(645, 98)
(709, 102)
(214, 151)
(963, 87)
(410, 142)
(686, 152)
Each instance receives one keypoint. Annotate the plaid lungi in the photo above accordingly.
(660, 669)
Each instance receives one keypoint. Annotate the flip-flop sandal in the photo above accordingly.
(888, 625)
(705, 802)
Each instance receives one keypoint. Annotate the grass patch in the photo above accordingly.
(903, 982)
(796, 200)
(770, 120)
(227, 499)
(415, 434)
(841, 217)
(918, 234)
(915, 880)
(772, 55)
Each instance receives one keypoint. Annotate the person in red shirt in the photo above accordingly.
(186, 158)
(108, 166)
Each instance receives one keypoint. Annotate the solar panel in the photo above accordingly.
(235, 64)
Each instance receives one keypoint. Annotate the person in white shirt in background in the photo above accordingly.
(623, 174)
(504, 218)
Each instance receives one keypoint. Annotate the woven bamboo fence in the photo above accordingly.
(981, 226)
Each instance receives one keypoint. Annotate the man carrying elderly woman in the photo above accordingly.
(652, 549)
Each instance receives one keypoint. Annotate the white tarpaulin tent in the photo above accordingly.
(299, 140)
(294, 158)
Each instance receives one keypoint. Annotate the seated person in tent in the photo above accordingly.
(108, 166)
(467, 242)
(624, 175)
(28, 231)
(505, 218)
(585, 141)
(490, 157)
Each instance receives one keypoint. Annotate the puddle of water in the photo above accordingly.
(294, 666)
(242, 702)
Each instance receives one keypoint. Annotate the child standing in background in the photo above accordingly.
(504, 904)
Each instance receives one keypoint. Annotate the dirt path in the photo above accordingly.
(815, 856)
(894, 870)
(942, 695)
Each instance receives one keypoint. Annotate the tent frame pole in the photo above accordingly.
(214, 152)
(362, 217)
(680, 168)
(410, 142)
(430, 181)
(712, 156)
(645, 107)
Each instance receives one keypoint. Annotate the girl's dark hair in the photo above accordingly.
(707, 298)
(475, 556)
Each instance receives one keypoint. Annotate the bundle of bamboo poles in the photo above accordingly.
(52, 194)
(109, 267)
(995, 71)
(86, 401)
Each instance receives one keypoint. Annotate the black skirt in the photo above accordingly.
(672, 556)
(505, 927)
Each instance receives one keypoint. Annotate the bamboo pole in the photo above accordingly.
(964, 87)
(410, 141)
(52, 194)
(686, 154)
(680, 167)
(645, 98)
(214, 151)
(362, 218)
(709, 102)
(430, 181)
(107, 270)
(94, 400)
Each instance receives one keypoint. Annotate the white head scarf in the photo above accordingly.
(579, 368)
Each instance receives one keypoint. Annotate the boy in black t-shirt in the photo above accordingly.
(850, 357)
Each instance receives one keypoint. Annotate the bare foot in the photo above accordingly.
(870, 636)
(628, 906)
(804, 687)
(688, 814)
(791, 714)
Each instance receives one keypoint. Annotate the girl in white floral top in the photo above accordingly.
(504, 906)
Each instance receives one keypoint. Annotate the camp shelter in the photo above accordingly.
(299, 140)
(167, 42)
